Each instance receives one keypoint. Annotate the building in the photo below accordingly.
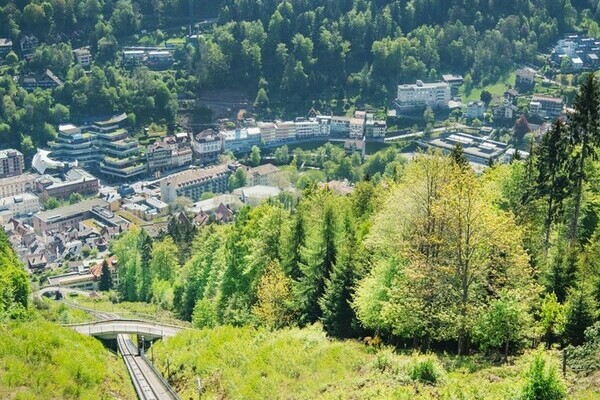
(207, 146)
(18, 205)
(241, 139)
(455, 81)
(374, 128)
(285, 131)
(357, 128)
(28, 44)
(83, 56)
(72, 144)
(11, 163)
(19, 184)
(66, 217)
(266, 174)
(159, 157)
(159, 59)
(307, 128)
(581, 51)
(340, 125)
(132, 58)
(268, 132)
(475, 109)
(45, 80)
(75, 180)
(419, 95)
(254, 195)
(546, 107)
(477, 149)
(525, 80)
(5, 46)
(194, 182)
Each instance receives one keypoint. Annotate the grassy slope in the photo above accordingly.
(496, 89)
(242, 363)
(41, 360)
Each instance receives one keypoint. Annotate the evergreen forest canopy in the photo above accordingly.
(289, 53)
(432, 255)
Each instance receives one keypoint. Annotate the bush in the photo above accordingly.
(543, 383)
(426, 369)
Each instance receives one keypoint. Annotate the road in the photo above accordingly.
(148, 384)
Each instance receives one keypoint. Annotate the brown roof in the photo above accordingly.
(96, 270)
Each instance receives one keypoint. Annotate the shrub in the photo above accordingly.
(426, 369)
(543, 383)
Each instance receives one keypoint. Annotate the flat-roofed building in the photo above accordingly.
(194, 182)
(18, 205)
(66, 217)
(546, 106)
(267, 132)
(83, 56)
(357, 128)
(17, 184)
(307, 128)
(11, 163)
(421, 94)
(71, 144)
(241, 139)
(340, 125)
(75, 180)
(285, 131)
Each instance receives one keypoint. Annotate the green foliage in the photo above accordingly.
(579, 315)
(75, 198)
(543, 383)
(426, 369)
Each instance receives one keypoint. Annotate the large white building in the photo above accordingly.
(267, 132)
(17, 205)
(307, 128)
(435, 95)
(285, 131)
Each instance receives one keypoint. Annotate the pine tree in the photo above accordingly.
(458, 156)
(144, 283)
(290, 248)
(579, 316)
(318, 258)
(552, 174)
(106, 278)
(585, 137)
(338, 315)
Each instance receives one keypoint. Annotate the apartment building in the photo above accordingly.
(357, 127)
(475, 109)
(11, 163)
(421, 94)
(83, 56)
(194, 182)
(285, 131)
(307, 128)
(546, 107)
(241, 139)
(71, 144)
(340, 125)
(207, 146)
(268, 132)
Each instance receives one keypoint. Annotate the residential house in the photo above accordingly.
(28, 44)
(475, 109)
(5, 46)
(83, 56)
(546, 106)
(454, 81)
(46, 80)
(525, 80)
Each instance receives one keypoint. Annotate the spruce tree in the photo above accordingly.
(579, 316)
(144, 284)
(458, 156)
(552, 173)
(290, 248)
(105, 279)
(585, 138)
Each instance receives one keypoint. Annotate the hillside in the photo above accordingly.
(41, 360)
(244, 363)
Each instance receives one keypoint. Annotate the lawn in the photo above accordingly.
(496, 89)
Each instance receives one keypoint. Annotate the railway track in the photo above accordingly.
(146, 381)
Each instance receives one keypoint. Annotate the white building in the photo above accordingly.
(357, 128)
(435, 95)
(83, 56)
(475, 109)
(17, 184)
(17, 205)
(307, 128)
(340, 125)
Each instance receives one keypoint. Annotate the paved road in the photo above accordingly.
(148, 384)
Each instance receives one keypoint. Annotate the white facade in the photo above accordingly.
(423, 95)
(357, 128)
(83, 56)
(21, 204)
(17, 184)
(475, 109)
(307, 128)
(340, 125)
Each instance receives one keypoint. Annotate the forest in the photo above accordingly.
(287, 55)
(431, 257)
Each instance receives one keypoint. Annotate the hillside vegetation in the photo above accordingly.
(245, 363)
(41, 360)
